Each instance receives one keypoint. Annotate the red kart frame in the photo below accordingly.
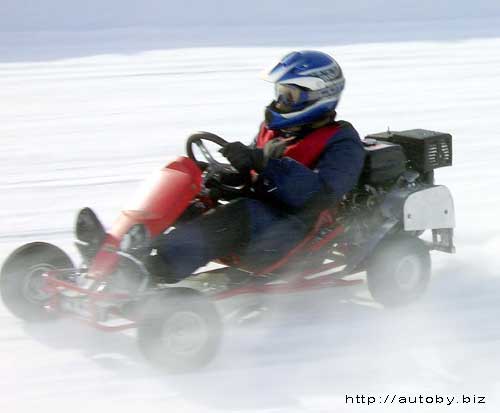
(177, 185)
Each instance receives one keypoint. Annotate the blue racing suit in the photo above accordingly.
(320, 168)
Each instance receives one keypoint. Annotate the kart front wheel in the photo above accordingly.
(399, 271)
(180, 330)
(22, 279)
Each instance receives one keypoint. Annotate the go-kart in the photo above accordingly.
(376, 228)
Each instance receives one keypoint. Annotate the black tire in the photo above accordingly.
(399, 271)
(20, 279)
(179, 331)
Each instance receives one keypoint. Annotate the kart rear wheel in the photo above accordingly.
(180, 330)
(399, 271)
(22, 279)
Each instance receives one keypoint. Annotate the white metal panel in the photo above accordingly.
(430, 208)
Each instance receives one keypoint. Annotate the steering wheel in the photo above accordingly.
(213, 168)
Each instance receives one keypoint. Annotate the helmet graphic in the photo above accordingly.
(308, 85)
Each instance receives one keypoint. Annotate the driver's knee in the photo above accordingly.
(217, 233)
(177, 253)
(227, 228)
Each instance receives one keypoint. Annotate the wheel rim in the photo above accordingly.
(34, 283)
(184, 333)
(408, 273)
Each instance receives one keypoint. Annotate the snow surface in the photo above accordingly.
(83, 121)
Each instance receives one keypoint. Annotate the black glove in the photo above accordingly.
(226, 178)
(242, 157)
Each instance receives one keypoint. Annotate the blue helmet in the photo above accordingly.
(308, 85)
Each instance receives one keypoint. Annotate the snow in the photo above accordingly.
(83, 123)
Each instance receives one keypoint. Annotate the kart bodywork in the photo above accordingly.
(376, 228)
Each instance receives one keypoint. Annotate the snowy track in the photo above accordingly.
(84, 131)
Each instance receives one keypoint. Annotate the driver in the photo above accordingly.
(302, 161)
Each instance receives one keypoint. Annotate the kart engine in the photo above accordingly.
(359, 213)
(395, 162)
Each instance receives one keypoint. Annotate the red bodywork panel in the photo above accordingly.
(158, 204)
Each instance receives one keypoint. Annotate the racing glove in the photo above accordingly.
(242, 157)
(245, 158)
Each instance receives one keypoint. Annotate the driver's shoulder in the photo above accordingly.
(345, 126)
(343, 131)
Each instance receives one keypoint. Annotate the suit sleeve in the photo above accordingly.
(288, 182)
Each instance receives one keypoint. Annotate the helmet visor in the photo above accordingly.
(293, 95)
(290, 98)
